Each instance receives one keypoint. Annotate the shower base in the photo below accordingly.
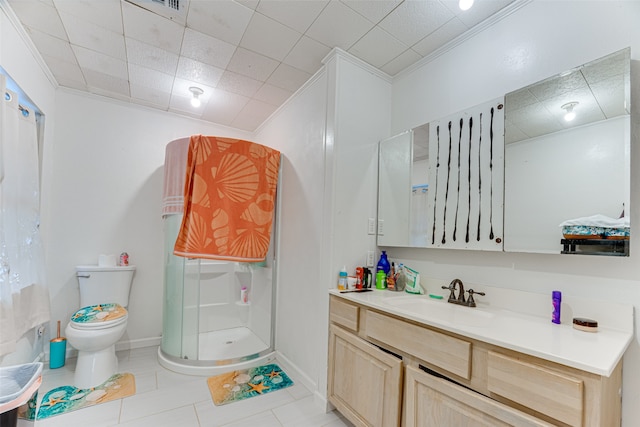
(221, 351)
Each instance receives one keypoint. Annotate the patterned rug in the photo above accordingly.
(68, 398)
(246, 383)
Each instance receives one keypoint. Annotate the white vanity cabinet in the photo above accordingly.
(386, 370)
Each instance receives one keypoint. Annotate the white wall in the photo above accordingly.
(537, 41)
(298, 131)
(328, 133)
(25, 70)
(106, 172)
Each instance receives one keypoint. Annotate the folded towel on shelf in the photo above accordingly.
(229, 200)
(598, 221)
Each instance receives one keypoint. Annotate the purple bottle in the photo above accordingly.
(557, 301)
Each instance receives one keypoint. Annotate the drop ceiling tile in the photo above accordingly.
(512, 133)
(104, 13)
(288, 77)
(237, 83)
(551, 88)
(198, 72)
(85, 34)
(223, 107)
(181, 89)
(269, 37)
(224, 20)
(182, 105)
(444, 34)
(252, 64)
(307, 55)
(339, 25)
(40, 16)
(377, 47)
(206, 49)
(611, 96)
(401, 62)
(480, 10)
(51, 46)
(374, 11)
(150, 97)
(253, 114)
(106, 84)
(295, 14)
(272, 95)
(152, 79)
(67, 73)
(251, 4)
(413, 20)
(152, 57)
(96, 61)
(518, 100)
(145, 26)
(605, 69)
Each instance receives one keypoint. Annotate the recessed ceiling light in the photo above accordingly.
(569, 113)
(196, 92)
(465, 4)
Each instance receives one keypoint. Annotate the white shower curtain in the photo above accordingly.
(24, 298)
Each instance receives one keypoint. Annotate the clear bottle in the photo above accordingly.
(342, 279)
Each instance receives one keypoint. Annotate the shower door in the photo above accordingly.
(204, 321)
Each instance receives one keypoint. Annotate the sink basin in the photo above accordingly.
(443, 311)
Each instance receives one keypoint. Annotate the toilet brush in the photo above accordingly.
(57, 350)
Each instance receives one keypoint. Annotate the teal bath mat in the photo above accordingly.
(246, 383)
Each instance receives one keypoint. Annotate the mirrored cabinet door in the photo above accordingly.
(567, 177)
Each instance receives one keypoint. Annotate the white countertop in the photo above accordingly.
(596, 352)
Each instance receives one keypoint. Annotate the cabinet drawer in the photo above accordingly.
(344, 314)
(446, 352)
(432, 401)
(551, 393)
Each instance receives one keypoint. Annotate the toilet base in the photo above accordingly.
(95, 367)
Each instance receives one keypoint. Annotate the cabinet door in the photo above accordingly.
(365, 383)
(432, 401)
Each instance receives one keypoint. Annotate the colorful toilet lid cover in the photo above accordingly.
(99, 315)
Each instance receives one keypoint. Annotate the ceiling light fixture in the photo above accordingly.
(465, 4)
(196, 92)
(569, 113)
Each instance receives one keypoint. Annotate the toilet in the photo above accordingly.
(100, 323)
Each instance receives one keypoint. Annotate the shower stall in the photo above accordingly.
(206, 326)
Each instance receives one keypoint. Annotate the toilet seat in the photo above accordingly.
(100, 316)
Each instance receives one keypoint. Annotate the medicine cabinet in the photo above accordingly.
(528, 169)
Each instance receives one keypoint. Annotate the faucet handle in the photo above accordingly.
(470, 301)
(452, 289)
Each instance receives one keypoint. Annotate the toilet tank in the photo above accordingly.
(101, 285)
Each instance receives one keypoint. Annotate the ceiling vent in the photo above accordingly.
(175, 10)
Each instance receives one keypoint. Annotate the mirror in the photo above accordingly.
(403, 188)
(557, 172)
(576, 172)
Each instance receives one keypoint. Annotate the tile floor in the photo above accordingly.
(166, 398)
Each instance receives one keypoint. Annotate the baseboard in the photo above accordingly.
(319, 399)
(120, 346)
(139, 343)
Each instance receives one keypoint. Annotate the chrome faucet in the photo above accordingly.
(460, 300)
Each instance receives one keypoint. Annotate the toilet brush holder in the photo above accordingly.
(57, 351)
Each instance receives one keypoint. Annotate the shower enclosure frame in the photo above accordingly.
(189, 291)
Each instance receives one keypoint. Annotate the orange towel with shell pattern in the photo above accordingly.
(229, 200)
